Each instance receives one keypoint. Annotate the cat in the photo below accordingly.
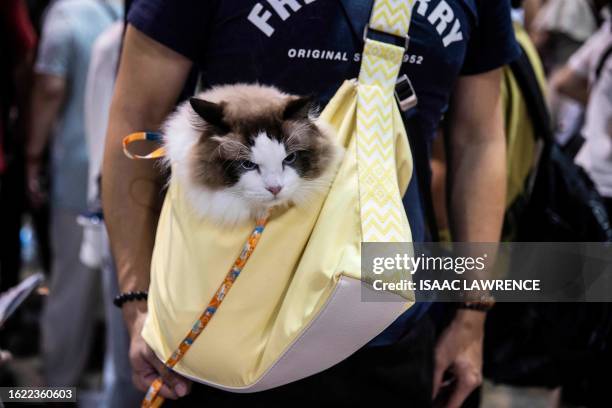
(239, 150)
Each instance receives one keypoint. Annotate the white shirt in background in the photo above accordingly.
(596, 153)
(98, 94)
(69, 31)
(573, 18)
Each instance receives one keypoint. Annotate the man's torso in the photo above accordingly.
(310, 47)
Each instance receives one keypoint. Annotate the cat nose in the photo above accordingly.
(274, 189)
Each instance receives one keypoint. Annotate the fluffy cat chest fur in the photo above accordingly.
(239, 150)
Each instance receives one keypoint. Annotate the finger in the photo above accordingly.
(168, 392)
(144, 376)
(466, 383)
(139, 381)
(165, 391)
(179, 385)
(145, 372)
(439, 370)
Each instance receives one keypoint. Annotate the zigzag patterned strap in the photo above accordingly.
(382, 218)
(392, 16)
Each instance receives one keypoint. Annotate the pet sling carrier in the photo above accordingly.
(296, 309)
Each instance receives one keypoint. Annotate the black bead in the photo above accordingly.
(130, 296)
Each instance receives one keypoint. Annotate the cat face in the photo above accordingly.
(265, 156)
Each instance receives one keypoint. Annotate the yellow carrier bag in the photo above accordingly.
(296, 308)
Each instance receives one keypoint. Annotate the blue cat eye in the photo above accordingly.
(248, 165)
(290, 158)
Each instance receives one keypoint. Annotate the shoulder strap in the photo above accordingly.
(385, 41)
(398, 24)
(534, 98)
(392, 18)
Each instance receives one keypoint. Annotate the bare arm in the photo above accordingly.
(48, 95)
(23, 82)
(149, 82)
(531, 7)
(569, 83)
(477, 189)
(477, 159)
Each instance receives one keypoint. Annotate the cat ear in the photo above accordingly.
(298, 108)
(211, 112)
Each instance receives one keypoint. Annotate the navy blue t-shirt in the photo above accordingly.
(312, 46)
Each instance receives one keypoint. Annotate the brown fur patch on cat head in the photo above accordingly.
(231, 117)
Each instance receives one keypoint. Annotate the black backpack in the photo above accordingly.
(560, 204)
(550, 344)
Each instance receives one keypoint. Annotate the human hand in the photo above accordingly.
(146, 367)
(37, 195)
(5, 357)
(459, 351)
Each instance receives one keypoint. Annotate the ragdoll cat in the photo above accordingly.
(238, 150)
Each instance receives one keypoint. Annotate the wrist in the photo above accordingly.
(134, 314)
(471, 319)
(482, 303)
(131, 296)
(477, 306)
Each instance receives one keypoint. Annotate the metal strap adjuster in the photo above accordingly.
(366, 31)
(404, 92)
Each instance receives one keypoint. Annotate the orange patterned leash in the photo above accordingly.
(150, 136)
(152, 398)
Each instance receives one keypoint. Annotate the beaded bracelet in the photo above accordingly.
(122, 298)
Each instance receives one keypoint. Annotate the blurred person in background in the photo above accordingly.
(561, 27)
(17, 42)
(527, 10)
(70, 28)
(40, 214)
(36, 9)
(118, 389)
(558, 30)
(587, 78)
